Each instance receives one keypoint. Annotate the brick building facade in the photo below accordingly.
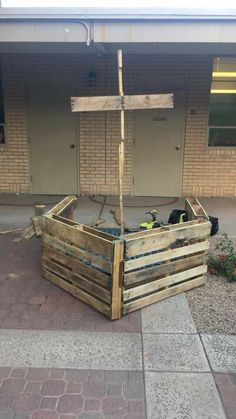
(207, 171)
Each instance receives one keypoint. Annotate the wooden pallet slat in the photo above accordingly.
(165, 239)
(83, 227)
(82, 295)
(160, 295)
(152, 286)
(142, 261)
(195, 210)
(117, 280)
(63, 205)
(80, 238)
(164, 269)
(76, 266)
(77, 280)
(75, 252)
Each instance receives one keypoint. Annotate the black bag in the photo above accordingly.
(214, 225)
(175, 216)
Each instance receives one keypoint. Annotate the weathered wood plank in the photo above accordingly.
(75, 291)
(78, 280)
(164, 269)
(153, 231)
(98, 233)
(165, 239)
(165, 255)
(76, 266)
(71, 199)
(118, 103)
(37, 225)
(160, 295)
(195, 210)
(75, 252)
(84, 227)
(117, 273)
(155, 285)
(68, 210)
(80, 238)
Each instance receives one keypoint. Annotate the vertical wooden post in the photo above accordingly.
(117, 271)
(122, 140)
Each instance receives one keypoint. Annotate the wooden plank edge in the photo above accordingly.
(73, 251)
(80, 238)
(170, 267)
(166, 281)
(145, 261)
(61, 204)
(165, 239)
(89, 271)
(117, 280)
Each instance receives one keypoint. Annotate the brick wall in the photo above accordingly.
(206, 172)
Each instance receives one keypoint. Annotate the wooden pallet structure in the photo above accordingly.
(117, 275)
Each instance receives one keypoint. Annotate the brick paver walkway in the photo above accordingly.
(30, 302)
(42, 393)
(155, 366)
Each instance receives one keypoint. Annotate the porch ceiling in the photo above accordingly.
(123, 31)
(213, 49)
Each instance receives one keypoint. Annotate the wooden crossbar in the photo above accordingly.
(117, 103)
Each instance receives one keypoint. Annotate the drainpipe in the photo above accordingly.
(88, 30)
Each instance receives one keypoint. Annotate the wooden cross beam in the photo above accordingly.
(117, 103)
(121, 103)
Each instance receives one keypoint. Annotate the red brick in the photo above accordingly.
(38, 374)
(53, 388)
(45, 414)
(70, 403)
(13, 386)
(77, 376)
(74, 387)
(114, 406)
(18, 372)
(92, 404)
(94, 390)
(28, 401)
(4, 372)
(33, 386)
(136, 406)
(48, 403)
(57, 373)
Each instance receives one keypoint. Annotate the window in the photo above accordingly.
(222, 106)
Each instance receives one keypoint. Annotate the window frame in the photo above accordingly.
(5, 144)
(216, 147)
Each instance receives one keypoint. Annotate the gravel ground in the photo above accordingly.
(213, 305)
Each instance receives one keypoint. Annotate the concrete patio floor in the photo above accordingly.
(16, 210)
(60, 359)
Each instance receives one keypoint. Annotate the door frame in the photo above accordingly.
(28, 91)
(184, 93)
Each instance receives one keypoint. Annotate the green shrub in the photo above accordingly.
(224, 263)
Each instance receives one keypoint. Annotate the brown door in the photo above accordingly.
(159, 142)
(53, 139)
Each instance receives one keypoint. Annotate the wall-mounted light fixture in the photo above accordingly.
(91, 79)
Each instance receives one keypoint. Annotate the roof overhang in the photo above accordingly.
(138, 13)
(117, 26)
